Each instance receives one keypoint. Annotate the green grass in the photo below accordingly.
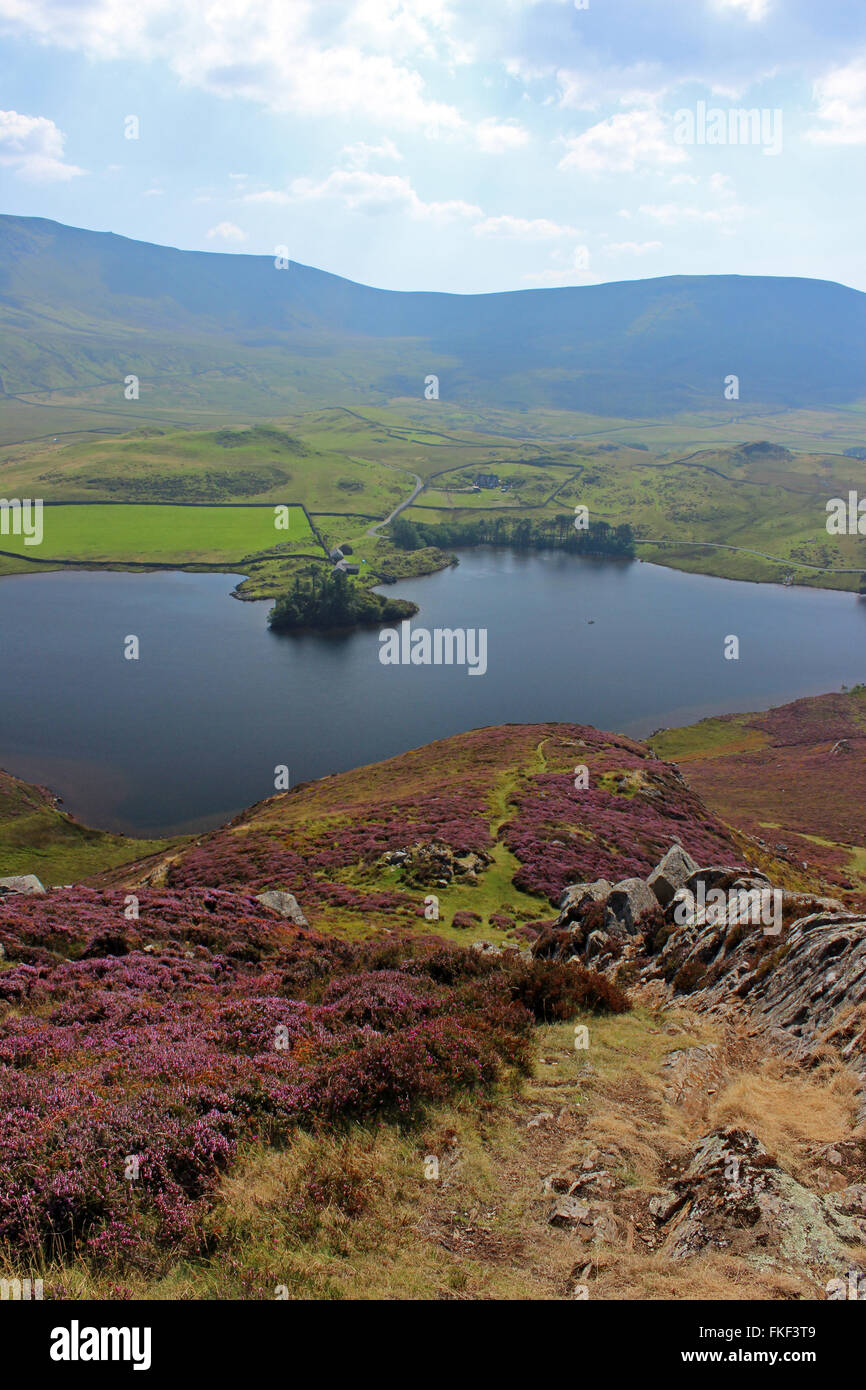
(707, 739)
(161, 534)
(36, 838)
(693, 488)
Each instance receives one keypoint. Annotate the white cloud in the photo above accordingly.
(277, 54)
(631, 248)
(32, 146)
(752, 9)
(268, 195)
(498, 137)
(638, 84)
(841, 102)
(669, 214)
(724, 209)
(522, 71)
(358, 156)
(529, 229)
(404, 27)
(226, 231)
(571, 268)
(361, 190)
(562, 278)
(621, 144)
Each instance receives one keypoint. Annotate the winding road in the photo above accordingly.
(401, 506)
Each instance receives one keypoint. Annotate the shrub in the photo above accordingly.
(555, 991)
(173, 1056)
(689, 975)
(464, 920)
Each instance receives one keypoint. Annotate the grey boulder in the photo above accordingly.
(286, 904)
(578, 896)
(21, 883)
(671, 873)
(626, 902)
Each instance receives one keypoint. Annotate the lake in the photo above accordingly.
(190, 733)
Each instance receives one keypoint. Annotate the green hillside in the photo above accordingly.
(207, 333)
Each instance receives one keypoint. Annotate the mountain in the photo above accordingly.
(79, 310)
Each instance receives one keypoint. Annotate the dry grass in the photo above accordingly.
(357, 1216)
(790, 1111)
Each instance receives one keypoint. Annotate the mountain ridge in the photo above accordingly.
(77, 306)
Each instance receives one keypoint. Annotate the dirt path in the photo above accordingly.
(608, 1125)
(401, 506)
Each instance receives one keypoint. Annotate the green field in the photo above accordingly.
(160, 535)
(707, 506)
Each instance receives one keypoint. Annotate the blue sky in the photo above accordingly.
(463, 145)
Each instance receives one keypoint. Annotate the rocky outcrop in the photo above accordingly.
(21, 883)
(626, 904)
(731, 1196)
(286, 904)
(671, 874)
(578, 896)
(810, 992)
(723, 935)
(434, 865)
(815, 979)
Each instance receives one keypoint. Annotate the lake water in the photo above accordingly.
(190, 733)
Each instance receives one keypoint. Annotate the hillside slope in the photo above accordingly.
(489, 821)
(37, 837)
(79, 310)
(793, 777)
(204, 1095)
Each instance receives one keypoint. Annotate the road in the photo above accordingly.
(401, 506)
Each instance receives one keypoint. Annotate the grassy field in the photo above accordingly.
(726, 504)
(160, 534)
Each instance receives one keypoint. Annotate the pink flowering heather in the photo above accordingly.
(136, 1055)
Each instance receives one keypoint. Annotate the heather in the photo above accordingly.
(507, 790)
(562, 835)
(144, 1057)
(794, 778)
(139, 1057)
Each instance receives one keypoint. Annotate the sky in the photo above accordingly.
(460, 145)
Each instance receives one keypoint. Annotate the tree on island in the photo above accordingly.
(330, 600)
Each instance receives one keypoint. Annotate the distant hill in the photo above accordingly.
(80, 310)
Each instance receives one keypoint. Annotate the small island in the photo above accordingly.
(329, 602)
